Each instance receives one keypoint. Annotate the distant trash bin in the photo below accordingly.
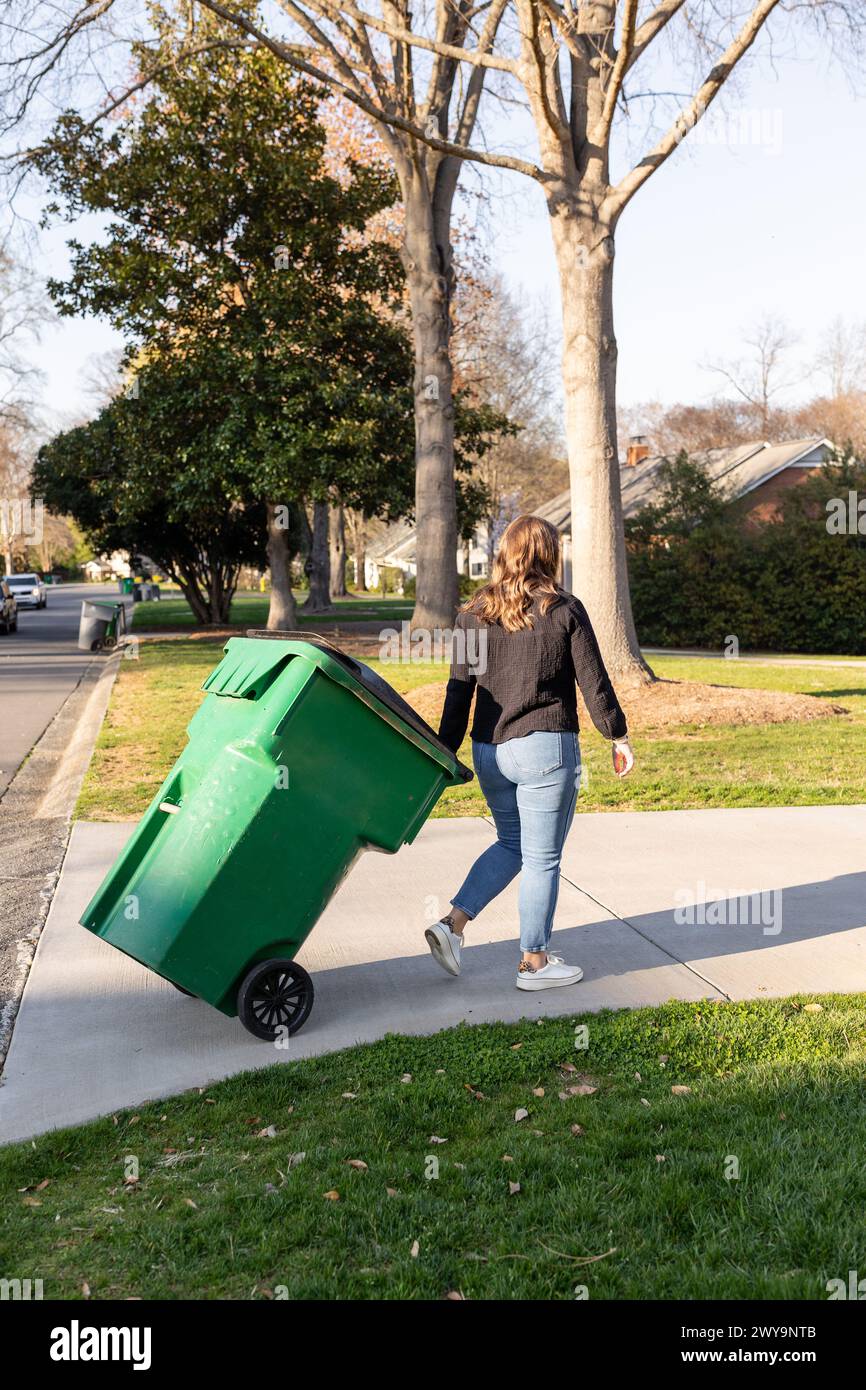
(126, 586)
(155, 591)
(137, 594)
(298, 759)
(102, 625)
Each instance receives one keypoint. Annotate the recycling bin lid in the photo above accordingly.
(372, 682)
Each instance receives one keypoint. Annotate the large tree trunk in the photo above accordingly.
(337, 551)
(429, 279)
(318, 599)
(282, 613)
(584, 253)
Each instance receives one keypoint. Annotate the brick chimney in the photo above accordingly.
(638, 449)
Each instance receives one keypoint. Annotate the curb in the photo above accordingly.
(40, 799)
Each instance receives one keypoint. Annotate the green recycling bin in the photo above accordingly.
(298, 759)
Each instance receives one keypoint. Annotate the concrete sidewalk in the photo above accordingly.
(97, 1032)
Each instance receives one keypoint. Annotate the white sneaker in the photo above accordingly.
(445, 947)
(554, 973)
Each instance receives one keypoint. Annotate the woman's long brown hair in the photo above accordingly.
(525, 570)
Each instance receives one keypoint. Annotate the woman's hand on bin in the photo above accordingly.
(623, 757)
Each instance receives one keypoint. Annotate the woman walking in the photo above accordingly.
(520, 644)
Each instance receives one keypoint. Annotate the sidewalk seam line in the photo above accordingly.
(626, 923)
(643, 935)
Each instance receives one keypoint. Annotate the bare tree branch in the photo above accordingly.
(620, 67)
(692, 113)
(652, 26)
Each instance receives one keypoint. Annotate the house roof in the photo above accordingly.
(397, 543)
(738, 469)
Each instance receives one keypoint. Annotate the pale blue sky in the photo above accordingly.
(725, 232)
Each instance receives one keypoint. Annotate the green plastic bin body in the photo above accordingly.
(295, 764)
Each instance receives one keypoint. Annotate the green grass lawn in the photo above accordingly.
(816, 763)
(747, 1186)
(251, 610)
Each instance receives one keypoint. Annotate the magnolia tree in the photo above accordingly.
(420, 105)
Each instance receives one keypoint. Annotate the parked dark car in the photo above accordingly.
(8, 608)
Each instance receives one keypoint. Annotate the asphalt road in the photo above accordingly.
(40, 665)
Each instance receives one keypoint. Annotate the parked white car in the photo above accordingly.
(28, 589)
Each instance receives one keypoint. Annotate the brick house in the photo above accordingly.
(753, 475)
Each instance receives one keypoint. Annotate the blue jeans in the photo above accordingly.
(531, 787)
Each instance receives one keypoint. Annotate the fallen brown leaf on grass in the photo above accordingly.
(681, 1090)
(414, 1252)
(520, 1114)
(577, 1130)
(513, 1189)
(538, 1091)
(357, 1163)
(332, 1196)
(455, 1296)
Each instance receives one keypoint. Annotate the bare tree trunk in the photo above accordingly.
(337, 548)
(191, 591)
(584, 252)
(429, 280)
(359, 547)
(7, 537)
(318, 599)
(282, 613)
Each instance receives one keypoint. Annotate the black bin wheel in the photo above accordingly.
(275, 999)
